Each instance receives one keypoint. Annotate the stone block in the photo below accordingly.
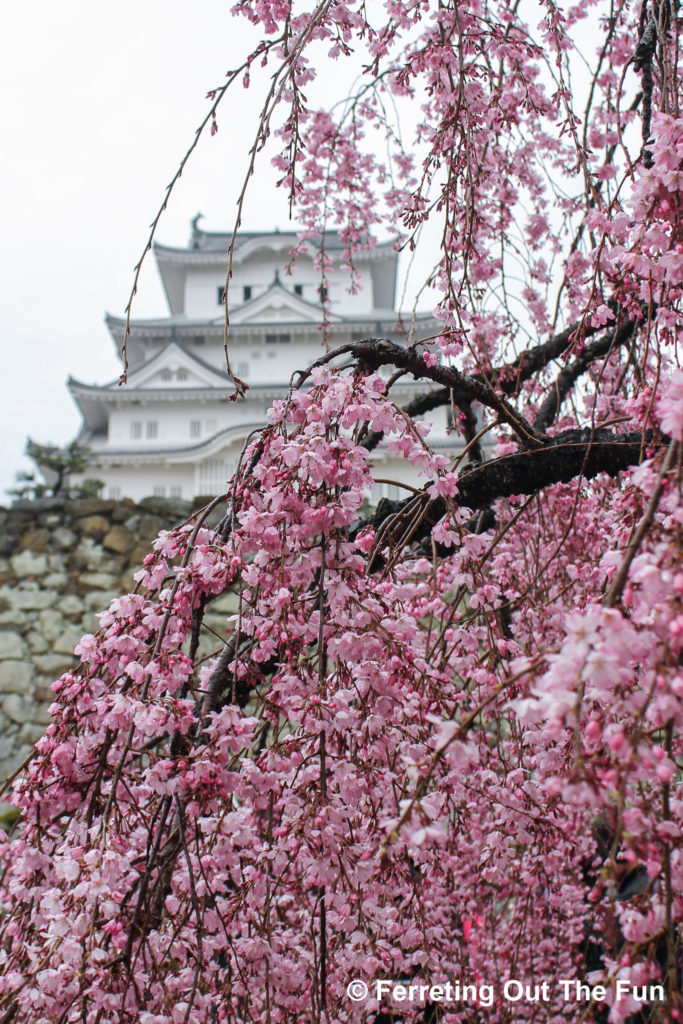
(93, 526)
(89, 555)
(28, 563)
(14, 619)
(138, 553)
(8, 544)
(16, 677)
(90, 507)
(123, 510)
(25, 599)
(44, 693)
(99, 600)
(17, 708)
(51, 624)
(56, 580)
(90, 622)
(118, 539)
(66, 641)
(63, 538)
(97, 581)
(14, 760)
(126, 581)
(31, 732)
(54, 664)
(36, 642)
(35, 539)
(11, 645)
(38, 506)
(149, 526)
(71, 606)
(172, 509)
(8, 742)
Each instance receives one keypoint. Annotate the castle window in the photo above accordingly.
(195, 428)
(182, 375)
(246, 293)
(275, 339)
(176, 492)
(151, 429)
(242, 370)
(115, 493)
(221, 294)
(298, 289)
(166, 375)
(136, 430)
(323, 293)
(159, 492)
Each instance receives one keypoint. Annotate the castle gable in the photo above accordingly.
(277, 305)
(175, 367)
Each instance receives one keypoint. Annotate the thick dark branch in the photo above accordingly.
(376, 353)
(567, 455)
(571, 373)
(564, 457)
(506, 379)
(642, 61)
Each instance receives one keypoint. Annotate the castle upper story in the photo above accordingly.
(194, 278)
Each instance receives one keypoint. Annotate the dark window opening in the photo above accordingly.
(298, 289)
(221, 295)
(274, 339)
(246, 292)
(323, 293)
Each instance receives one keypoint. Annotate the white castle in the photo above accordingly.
(171, 430)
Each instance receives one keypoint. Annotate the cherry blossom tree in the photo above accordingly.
(440, 740)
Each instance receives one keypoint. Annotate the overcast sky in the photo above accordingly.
(99, 103)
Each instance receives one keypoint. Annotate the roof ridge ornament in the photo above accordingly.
(196, 231)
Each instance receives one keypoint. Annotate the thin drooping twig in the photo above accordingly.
(209, 118)
(619, 581)
(571, 373)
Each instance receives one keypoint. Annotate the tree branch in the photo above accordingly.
(381, 352)
(508, 378)
(571, 373)
(573, 453)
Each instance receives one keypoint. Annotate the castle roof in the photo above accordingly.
(219, 241)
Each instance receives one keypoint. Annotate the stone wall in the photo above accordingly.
(61, 562)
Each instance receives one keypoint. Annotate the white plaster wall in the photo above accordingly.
(142, 481)
(173, 421)
(208, 473)
(261, 362)
(202, 284)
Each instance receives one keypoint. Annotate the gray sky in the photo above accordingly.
(98, 104)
